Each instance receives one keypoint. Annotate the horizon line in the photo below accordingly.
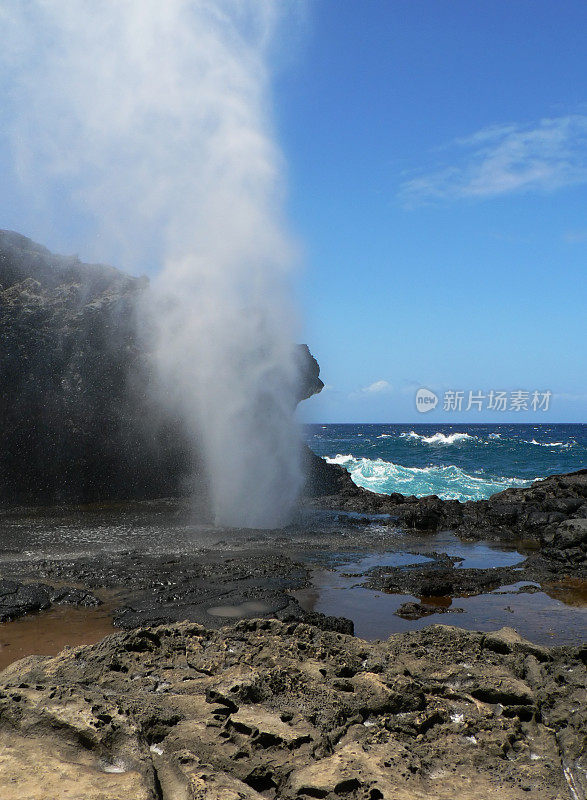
(437, 422)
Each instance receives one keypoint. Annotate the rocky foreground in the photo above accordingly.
(266, 709)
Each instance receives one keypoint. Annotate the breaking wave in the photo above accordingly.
(439, 439)
(448, 482)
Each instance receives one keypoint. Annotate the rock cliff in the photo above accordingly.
(78, 419)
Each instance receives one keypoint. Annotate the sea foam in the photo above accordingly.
(448, 482)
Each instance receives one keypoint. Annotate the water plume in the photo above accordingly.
(151, 121)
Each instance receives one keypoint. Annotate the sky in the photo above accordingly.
(437, 157)
(436, 168)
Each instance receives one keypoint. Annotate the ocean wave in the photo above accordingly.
(386, 436)
(448, 482)
(494, 436)
(565, 445)
(439, 438)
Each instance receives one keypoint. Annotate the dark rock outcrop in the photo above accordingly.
(78, 418)
(442, 578)
(415, 611)
(328, 481)
(77, 422)
(267, 709)
(309, 382)
(18, 599)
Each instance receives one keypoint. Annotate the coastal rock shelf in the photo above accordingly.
(146, 590)
(267, 709)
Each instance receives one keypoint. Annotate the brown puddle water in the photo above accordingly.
(571, 591)
(551, 615)
(47, 633)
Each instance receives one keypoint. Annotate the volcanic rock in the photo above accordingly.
(18, 599)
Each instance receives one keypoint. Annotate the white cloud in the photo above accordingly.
(506, 159)
(379, 387)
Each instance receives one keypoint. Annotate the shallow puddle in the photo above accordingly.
(474, 555)
(248, 609)
(47, 633)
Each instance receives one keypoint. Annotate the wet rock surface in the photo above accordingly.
(443, 577)
(284, 710)
(426, 609)
(179, 571)
(18, 599)
(210, 588)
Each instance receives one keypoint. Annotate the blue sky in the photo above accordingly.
(436, 157)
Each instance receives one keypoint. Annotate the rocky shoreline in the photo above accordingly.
(255, 573)
(291, 705)
(552, 512)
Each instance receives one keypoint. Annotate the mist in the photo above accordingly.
(151, 121)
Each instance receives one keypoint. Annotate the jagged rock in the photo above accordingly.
(327, 480)
(267, 709)
(413, 611)
(309, 372)
(17, 599)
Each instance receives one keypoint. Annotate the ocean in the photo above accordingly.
(457, 462)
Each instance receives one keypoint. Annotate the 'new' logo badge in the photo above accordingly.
(426, 400)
